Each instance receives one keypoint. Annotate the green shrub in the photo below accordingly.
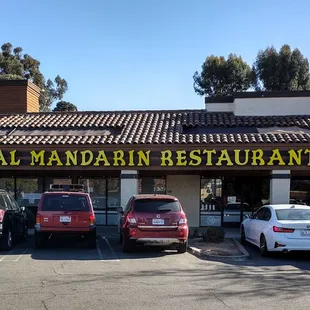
(214, 234)
(196, 233)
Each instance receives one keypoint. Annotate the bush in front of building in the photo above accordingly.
(214, 234)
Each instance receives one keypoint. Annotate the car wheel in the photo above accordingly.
(92, 240)
(7, 240)
(38, 240)
(182, 247)
(243, 237)
(263, 246)
(128, 245)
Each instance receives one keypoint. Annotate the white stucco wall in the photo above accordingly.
(263, 106)
(272, 106)
(280, 185)
(187, 189)
(220, 107)
(129, 185)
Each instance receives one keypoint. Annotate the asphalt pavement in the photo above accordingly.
(65, 275)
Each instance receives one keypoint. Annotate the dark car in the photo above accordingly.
(13, 222)
(155, 220)
(65, 210)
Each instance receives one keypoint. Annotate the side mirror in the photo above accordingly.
(247, 216)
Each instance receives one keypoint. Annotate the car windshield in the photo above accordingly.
(293, 214)
(156, 205)
(62, 202)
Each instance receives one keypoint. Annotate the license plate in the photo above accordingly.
(65, 219)
(305, 233)
(158, 222)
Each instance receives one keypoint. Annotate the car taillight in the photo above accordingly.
(283, 230)
(132, 232)
(183, 220)
(92, 219)
(1, 215)
(131, 219)
(38, 219)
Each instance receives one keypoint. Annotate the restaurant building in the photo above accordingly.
(226, 159)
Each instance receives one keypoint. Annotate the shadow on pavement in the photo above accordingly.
(75, 249)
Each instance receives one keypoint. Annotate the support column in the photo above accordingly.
(280, 186)
(129, 185)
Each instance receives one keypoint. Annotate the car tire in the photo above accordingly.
(128, 245)
(7, 240)
(38, 240)
(263, 246)
(92, 240)
(182, 248)
(243, 237)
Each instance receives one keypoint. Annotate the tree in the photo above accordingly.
(16, 66)
(221, 77)
(283, 70)
(65, 106)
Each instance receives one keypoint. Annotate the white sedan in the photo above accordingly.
(278, 228)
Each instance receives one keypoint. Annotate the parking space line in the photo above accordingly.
(4, 256)
(99, 253)
(111, 249)
(18, 258)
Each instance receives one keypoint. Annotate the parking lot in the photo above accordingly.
(67, 275)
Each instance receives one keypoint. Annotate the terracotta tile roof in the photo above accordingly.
(146, 127)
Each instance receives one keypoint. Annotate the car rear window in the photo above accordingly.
(293, 214)
(156, 205)
(65, 202)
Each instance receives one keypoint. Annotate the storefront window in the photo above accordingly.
(114, 201)
(243, 195)
(300, 191)
(210, 202)
(8, 184)
(50, 181)
(151, 185)
(97, 189)
(28, 191)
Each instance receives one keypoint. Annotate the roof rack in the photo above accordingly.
(67, 187)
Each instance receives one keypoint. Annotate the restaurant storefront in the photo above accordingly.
(220, 165)
(217, 187)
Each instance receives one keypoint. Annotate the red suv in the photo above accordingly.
(65, 210)
(154, 220)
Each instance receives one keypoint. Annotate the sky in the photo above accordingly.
(142, 54)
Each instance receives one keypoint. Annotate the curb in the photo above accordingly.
(221, 258)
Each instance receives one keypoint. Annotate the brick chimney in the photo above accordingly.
(18, 96)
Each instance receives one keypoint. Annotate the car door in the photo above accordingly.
(261, 224)
(15, 215)
(20, 215)
(9, 213)
(252, 224)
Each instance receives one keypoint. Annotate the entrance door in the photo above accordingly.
(105, 196)
(187, 189)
